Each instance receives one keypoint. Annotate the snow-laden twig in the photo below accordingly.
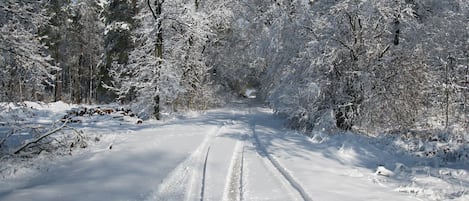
(40, 137)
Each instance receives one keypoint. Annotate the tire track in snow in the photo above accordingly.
(241, 181)
(204, 173)
(277, 167)
(186, 181)
(233, 188)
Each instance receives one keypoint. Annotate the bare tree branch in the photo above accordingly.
(24, 146)
(151, 9)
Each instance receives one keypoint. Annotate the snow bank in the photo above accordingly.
(404, 165)
(24, 122)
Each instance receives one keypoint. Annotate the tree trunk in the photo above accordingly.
(197, 3)
(447, 92)
(21, 88)
(58, 79)
(396, 31)
(58, 90)
(158, 52)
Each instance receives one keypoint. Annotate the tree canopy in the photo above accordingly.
(361, 65)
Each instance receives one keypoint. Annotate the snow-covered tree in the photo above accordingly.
(119, 21)
(371, 66)
(167, 69)
(74, 35)
(54, 38)
(444, 27)
(25, 69)
(92, 34)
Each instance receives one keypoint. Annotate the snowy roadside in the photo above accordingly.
(21, 123)
(334, 167)
(127, 163)
(241, 152)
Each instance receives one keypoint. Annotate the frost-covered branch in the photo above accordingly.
(34, 141)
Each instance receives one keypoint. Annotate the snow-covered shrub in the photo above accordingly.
(437, 144)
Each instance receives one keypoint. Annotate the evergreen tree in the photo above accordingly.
(54, 38)
(74, 36)
(25, 69)
(117, 41)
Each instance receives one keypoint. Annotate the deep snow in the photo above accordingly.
(240, 152)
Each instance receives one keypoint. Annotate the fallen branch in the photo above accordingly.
(24, 146)
(6, 137)
(79, 139)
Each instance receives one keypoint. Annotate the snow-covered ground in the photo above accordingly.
(240, 152)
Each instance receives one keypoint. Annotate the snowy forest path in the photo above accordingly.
(189, 175)
(228, 165)
(238, 153)
(283, 185)
(211, 156)
(234, 184)
(137, 163)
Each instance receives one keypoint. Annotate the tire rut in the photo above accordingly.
(204, 173)
(277, 167)
(187, 180)
(233, 188)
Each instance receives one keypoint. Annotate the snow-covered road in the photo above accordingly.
(236, 153)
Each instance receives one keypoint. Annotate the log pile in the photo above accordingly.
(118, 113)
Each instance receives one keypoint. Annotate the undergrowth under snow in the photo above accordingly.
(429, 170)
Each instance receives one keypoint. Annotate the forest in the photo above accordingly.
(373, 67)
